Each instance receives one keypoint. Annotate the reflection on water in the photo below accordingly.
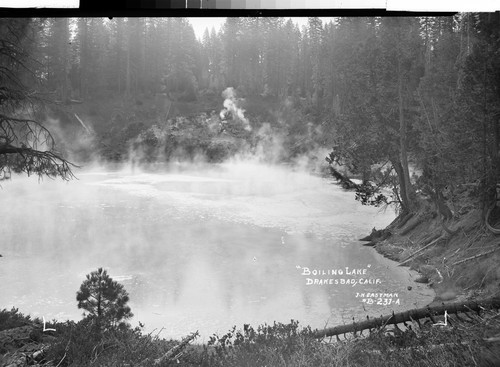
(196, 250)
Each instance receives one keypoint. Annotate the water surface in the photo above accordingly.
(198, 248)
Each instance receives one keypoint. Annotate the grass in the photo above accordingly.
(469, 342)
(285, 345)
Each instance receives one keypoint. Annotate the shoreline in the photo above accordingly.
(421, 244)
(410, 275)
(400, 244)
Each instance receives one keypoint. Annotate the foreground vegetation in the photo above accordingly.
(103, 338)
(386, 95)
(472, 341)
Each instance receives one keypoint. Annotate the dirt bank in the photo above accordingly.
(457, 258)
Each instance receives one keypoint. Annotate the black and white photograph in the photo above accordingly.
(250, 190)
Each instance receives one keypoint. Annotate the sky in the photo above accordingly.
(200, 24)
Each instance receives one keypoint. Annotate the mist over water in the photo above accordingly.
(197, 248)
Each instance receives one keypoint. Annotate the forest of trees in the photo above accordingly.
(387, 93)
(408, 109)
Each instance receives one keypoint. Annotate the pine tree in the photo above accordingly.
(104, 299)
(25, 144)
(315, 35)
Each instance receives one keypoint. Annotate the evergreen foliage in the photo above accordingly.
(26, 145)
(408, 104)
(104, 299)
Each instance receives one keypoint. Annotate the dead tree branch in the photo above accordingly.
(171, 354)
(476, 256)
(421, 250)
(407, 316)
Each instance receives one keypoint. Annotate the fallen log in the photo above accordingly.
(68, 101)
(411, 315)
(476, 256)
(175, 350)
(87, 130)
(172, 354)
(420, 250)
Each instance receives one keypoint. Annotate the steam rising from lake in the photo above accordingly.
(197, 248)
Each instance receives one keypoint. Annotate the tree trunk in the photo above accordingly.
(83, 57)
(119, 53)
(143, 69)
(441, 206)
(404, 180)
(405, 204)
(64, 83)
(128, 77)
(415, 314)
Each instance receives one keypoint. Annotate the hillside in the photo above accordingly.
(458, 258)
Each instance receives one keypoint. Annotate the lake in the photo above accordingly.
(199, 248)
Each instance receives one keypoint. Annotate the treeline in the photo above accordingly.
(388, 93)
(421, 93)
(85, 58)
(88, 57)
